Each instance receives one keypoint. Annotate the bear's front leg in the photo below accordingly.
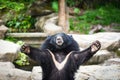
(83, 56)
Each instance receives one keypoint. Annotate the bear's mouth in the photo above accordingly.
(59, 41)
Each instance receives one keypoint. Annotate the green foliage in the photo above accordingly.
(55, 6)
(6, 4)
(103, 15)
(76, 10)
(22, 22)
(73, 3)
(9, 38)
(23, 0)
(118, 52)
(79, 26)
(70, 2)
(22, 59)
(20, 42)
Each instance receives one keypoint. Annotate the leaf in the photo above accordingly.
(76, 10)
(17, 24)
(2, 6)
(55, 6)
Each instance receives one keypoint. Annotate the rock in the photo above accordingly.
(106, 38)
(114, 46)
(40, 8)
(100, 57)
(36, 73)
(96, 72)
(6, 65)
(95, 28)
(3, 30)
(39, 25)
(8, 15)
(1, 22)
(14, 74)
(48, 25)
(9, 72)
(110, 41)
(114, 61)
(51, 29)
(114, 27)
(8, 51)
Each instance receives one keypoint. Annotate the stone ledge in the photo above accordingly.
(27, 34)
(35, 39)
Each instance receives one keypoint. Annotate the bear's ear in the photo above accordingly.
(52, 40)
(48, 37)
(71, 36)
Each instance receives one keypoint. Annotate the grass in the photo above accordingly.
(103, 16)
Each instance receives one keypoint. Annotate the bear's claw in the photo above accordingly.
(95, 46)
(25, 49)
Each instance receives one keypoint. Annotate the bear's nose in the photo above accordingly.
(58, 38)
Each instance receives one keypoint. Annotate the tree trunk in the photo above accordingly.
(63, 16)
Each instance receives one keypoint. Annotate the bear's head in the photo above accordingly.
(60, 40)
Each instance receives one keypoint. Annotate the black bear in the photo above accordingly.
(60, 42)
(61, 66)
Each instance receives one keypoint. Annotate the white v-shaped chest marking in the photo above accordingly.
(58, 65)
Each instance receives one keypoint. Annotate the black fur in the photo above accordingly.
(50, 71)
(69, 44)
